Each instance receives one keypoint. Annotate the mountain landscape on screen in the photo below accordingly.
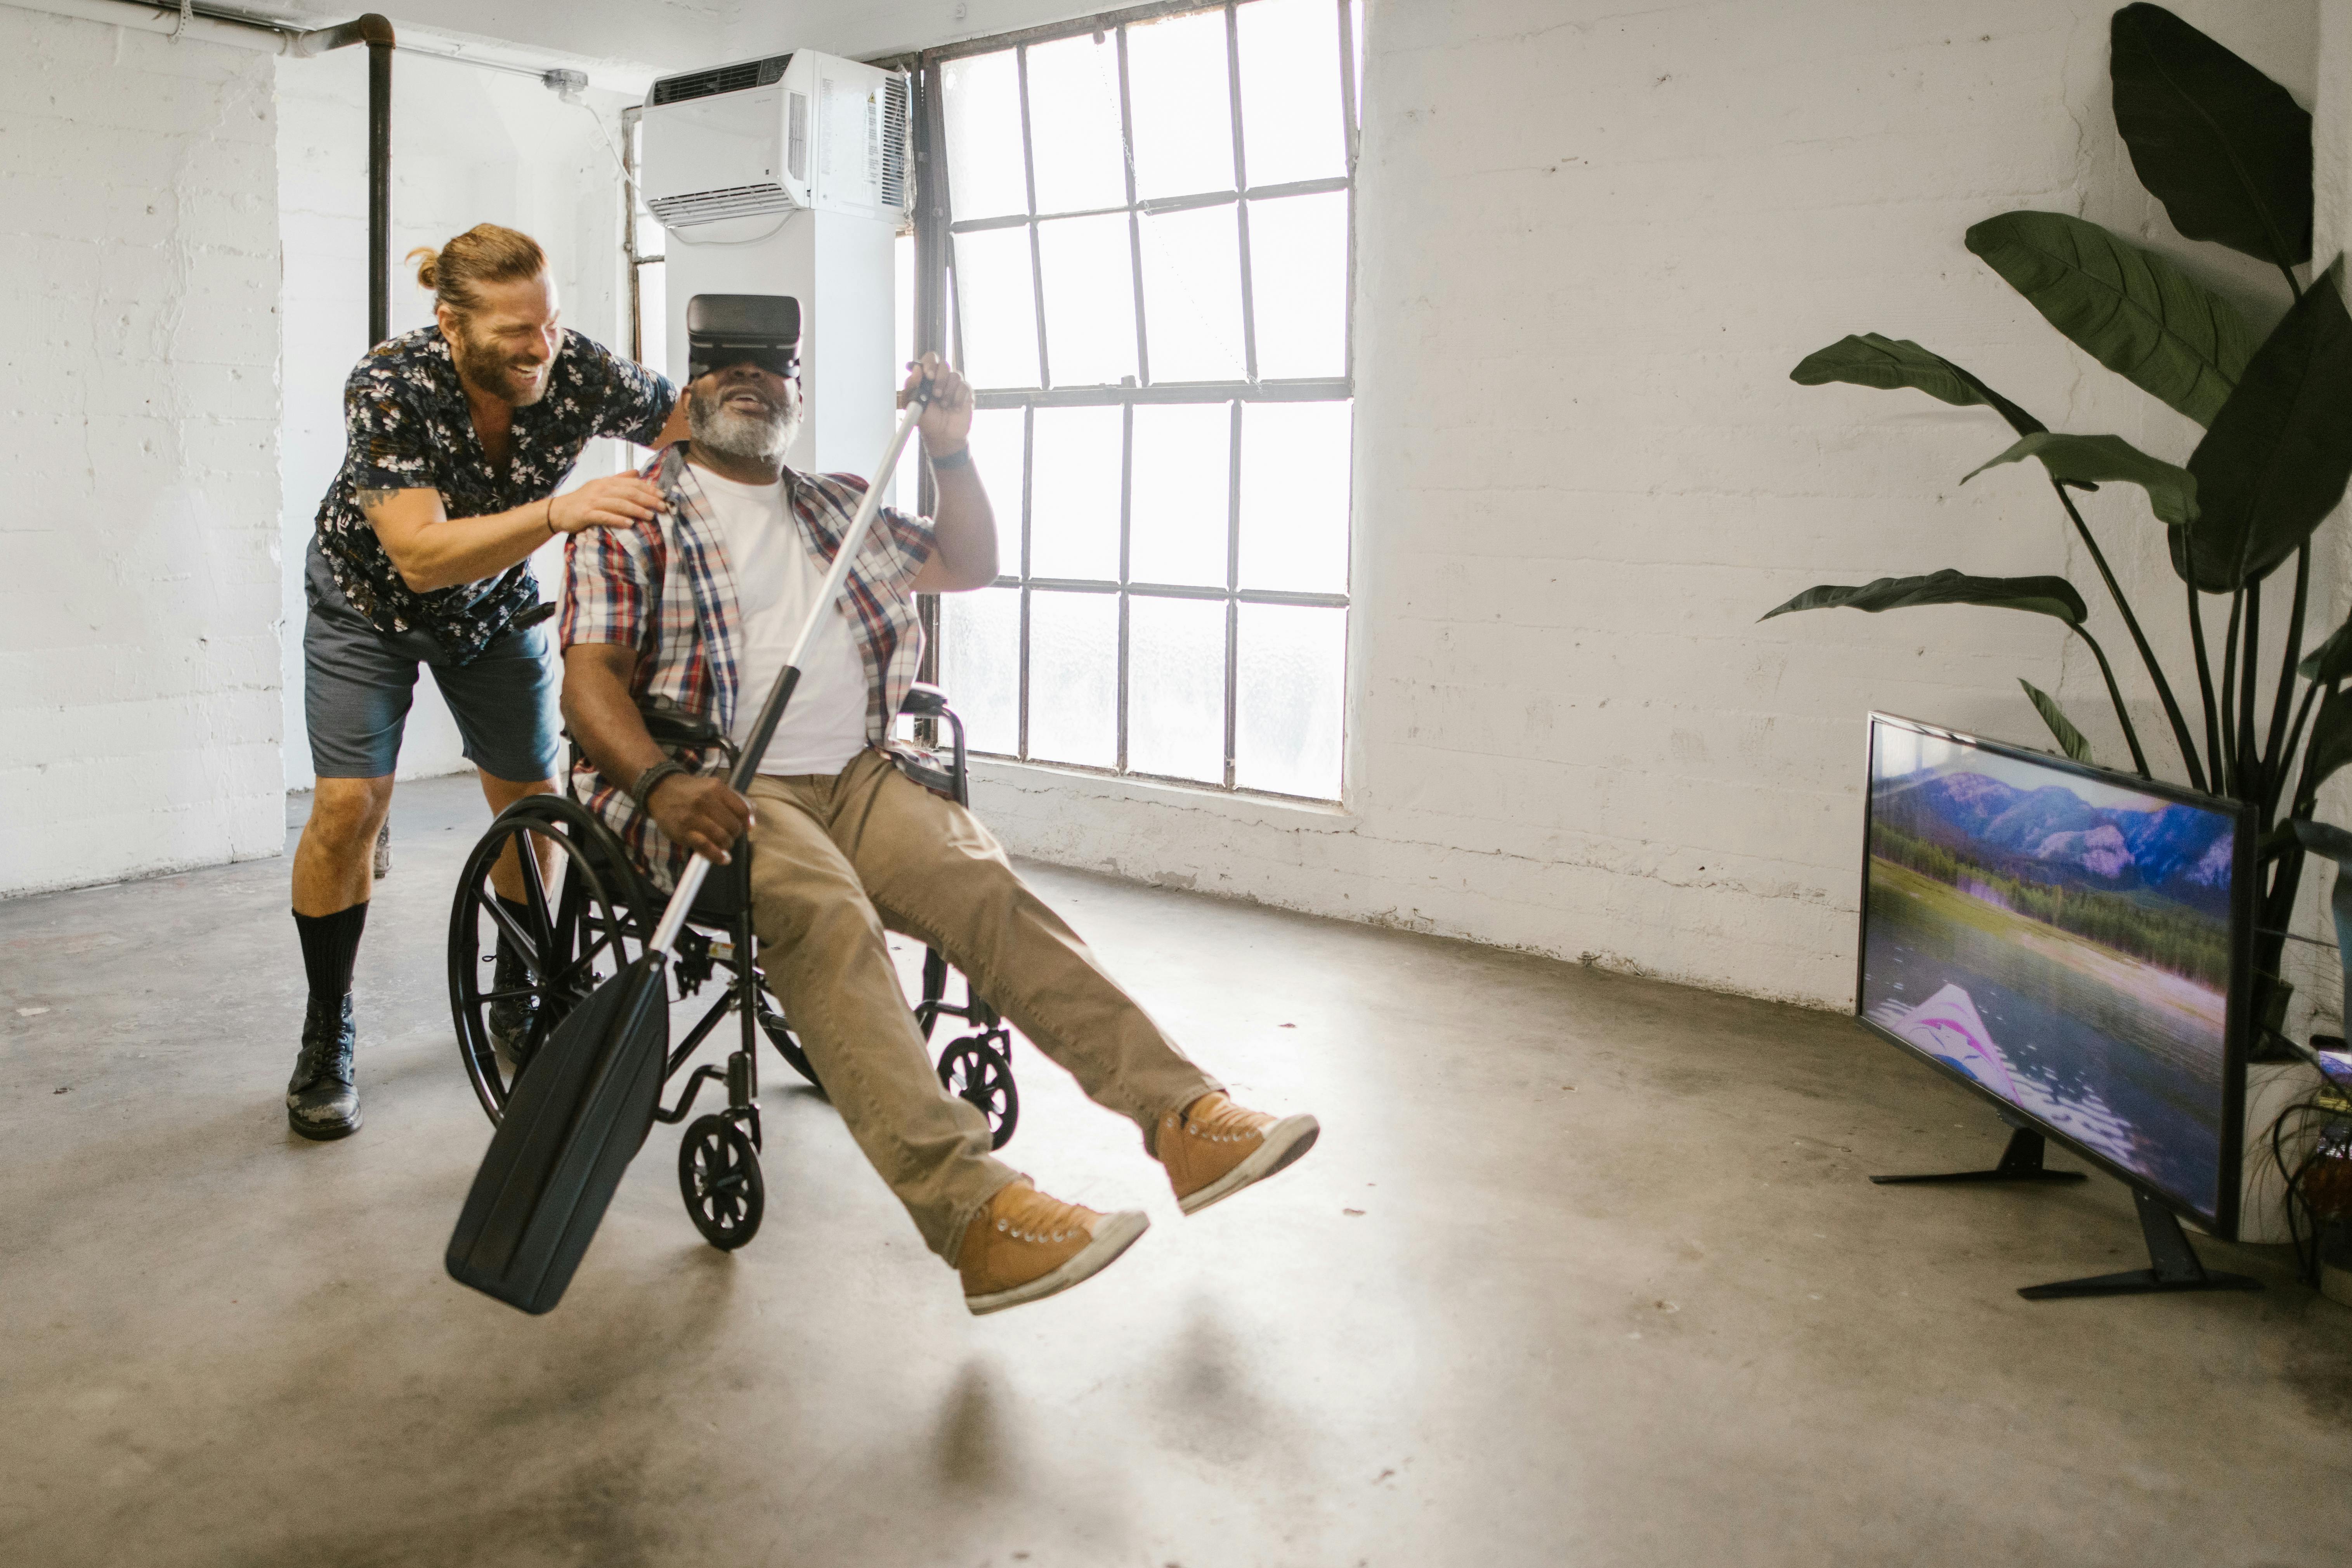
(2053, 835)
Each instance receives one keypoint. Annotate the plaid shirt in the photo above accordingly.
(621, 588)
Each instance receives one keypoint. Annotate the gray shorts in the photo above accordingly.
(358, 683)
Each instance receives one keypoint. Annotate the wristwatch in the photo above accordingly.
(642, 791)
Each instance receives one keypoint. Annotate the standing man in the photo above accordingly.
(457, 435)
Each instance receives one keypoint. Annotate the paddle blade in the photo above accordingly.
(575, 1119)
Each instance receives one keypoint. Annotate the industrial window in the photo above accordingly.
(1136, 239)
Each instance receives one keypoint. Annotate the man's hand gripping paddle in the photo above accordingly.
(581, 1114)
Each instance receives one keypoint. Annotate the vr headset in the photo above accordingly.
(732, 329)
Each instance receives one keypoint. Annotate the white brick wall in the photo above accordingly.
(138, 712)
(1592, 241)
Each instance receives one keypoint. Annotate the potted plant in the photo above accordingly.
(2227, 153)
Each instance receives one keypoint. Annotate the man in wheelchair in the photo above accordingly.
(696, 613)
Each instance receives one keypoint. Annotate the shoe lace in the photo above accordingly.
(1028, 1215)
(1222, 1121)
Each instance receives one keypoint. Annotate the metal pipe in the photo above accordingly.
(379, 50)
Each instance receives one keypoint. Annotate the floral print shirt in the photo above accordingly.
(407, 426)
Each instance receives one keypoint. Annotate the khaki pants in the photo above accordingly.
(835, 861)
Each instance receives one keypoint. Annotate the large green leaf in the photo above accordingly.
(2070, 740)
(2171, 492)
(2129, 309)
(2331, 661)
(2276, 462)
(2222, 146)
(2039, 595)
(1869, 360)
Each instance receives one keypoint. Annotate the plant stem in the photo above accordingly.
(2274, 764)
(2225, 782)
(2294, 738)
(2131, 623)
(2293, 286)
(2205, 684)
(2250, 756)
(2116, 696)
(2306, 798)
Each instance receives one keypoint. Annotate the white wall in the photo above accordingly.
(469, 146)
(619, 42)
(139, 714)
(1592, 243)
(864, 29)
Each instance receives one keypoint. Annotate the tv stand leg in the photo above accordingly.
(2021, 1162)
(2174, 1265)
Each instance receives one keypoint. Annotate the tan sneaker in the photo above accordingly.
(1025, 1246)
(1216, 1148)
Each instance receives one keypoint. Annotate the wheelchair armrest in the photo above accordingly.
(671, 725)
(924, 700)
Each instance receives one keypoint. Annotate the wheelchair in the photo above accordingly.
(592, 918)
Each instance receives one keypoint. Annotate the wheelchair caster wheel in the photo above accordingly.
(977, 1070)
(718, 1172)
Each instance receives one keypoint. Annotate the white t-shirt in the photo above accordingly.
(776, 579)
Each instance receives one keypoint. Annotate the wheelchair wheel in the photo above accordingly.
(779, 1034)
(513, 975)
(719, 1173)
(978, 1070)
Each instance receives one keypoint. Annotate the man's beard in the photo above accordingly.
(747, 437)
(484, 365)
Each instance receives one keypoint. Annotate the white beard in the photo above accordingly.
(746, 436)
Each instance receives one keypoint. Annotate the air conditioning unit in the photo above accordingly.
(789, 132)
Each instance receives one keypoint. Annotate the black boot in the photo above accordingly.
(513, 1019)
(322, 1098)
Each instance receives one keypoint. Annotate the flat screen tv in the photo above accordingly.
(2069, 943)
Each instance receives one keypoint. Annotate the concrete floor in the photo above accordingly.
(1584, 1271)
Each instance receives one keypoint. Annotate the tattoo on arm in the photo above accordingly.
(369, 500)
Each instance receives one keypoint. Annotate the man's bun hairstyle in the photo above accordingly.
(485, 253)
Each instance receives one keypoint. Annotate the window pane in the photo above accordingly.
(1182, 96)
(980, 666)
(1298, 285)
(1295, 472)
(1292, 124)
(1089, 299)
(985, 178)
(1192, 294)
(996, 305)
(1291, 672)
(1177, 514)
(1074, 136)
(996, 453)
(1074, 494)
(1176, 688)
(1074, 677)
(653, 315)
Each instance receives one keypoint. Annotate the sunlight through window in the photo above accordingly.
(1146, 266)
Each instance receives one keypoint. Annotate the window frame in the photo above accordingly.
(935, 324)
(632, 119)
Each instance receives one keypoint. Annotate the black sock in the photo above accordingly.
(521, 913)
(331, 944)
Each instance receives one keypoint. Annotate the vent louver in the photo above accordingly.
(721, 79)
(893, 173)
(717, 206)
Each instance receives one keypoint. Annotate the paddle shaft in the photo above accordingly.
(772, 711)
